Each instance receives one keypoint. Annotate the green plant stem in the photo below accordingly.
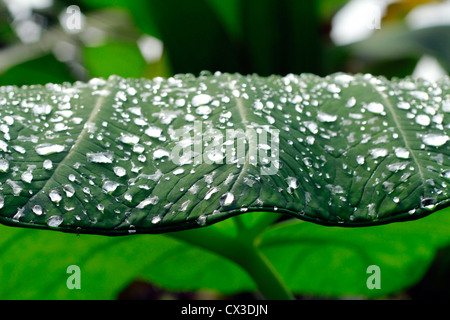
(242, 252)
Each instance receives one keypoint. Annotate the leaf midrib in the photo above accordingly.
(243, 117)
(92, 116)
(389, 106)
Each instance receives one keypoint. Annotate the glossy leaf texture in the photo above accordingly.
(124, 156)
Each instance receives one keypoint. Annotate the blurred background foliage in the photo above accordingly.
(151, 38)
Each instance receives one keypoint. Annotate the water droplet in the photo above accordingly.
(4, 165)
(156, 219)
(160, 153)
(401, 153)
(131, 91)
(215, 156)
(397, 166)
(100, 157)
(423, 119)
(153, 132)
(371, 210)
(378, 152)
(388, 187)
(178, 171)
(27, 177)
(312, 126)
(42, 109)
(446, 174)
(428, 203)
(19, 149)
(201, 220)
(446, 105)
(110, 186)
(138, 148)
(360, 159)
(128, 197)
(351, 102)
(45, 149)
(310, 140)
(403, 105)
(148, 201)
(292, 182)
(419, 95)
(3, 146)
(55, 196)
(47, 164)
(434, 139)
(375, 107)
(54, 221)
(325, 117)
(37, 209)
(129, 138)
(201, 99)
(333, 88)
(69, 190)
(210, 192)
(203, 110)
(226, 199)
(184, 205)
(15, 187)
(119, 171)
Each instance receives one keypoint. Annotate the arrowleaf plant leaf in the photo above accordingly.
(121, 156)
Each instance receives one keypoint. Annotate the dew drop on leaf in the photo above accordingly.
(201, 99)
(45, 149)
(375, 107)
(47, 164)
(4, 165)
(27, 177)
(156, 219)
(54, 221)
(423, 119)
(55, 196)
(37, 209)
(401, 153)
(435, 140)
(119, 171)
(226, 199)
(100, 157)
(325, 117)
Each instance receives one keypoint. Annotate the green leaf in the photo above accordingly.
(404, 254)
(318, 260)
(108, 59)
(121, 156)
(323, 261)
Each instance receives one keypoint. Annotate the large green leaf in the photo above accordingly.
(103, 157)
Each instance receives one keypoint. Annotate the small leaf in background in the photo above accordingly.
(121, 58)
(38, 71)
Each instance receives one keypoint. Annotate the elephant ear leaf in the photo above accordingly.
(121, 156)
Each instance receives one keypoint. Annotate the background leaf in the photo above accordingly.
(313, 260)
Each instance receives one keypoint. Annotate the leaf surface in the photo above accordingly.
(121, 156)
